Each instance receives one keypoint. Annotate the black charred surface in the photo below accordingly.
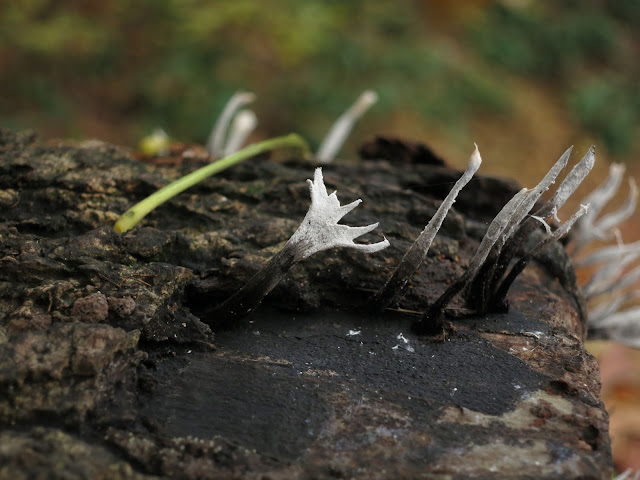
(107, 364)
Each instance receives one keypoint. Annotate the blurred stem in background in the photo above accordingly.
(118, 70)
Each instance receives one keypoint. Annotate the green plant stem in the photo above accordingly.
(136, 213)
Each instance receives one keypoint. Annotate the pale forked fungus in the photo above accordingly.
(604, 310)
(414, 257)
(318, 231)
(607, 277)
(340, 130)
(608, 253)
(617, 283)
(606, 225)
(611, 313)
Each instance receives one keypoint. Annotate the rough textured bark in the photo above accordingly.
(108, 370)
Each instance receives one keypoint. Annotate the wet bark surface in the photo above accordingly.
(111, 364)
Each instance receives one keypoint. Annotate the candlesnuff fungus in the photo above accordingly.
(612, 289)
(509, 229)
(488, 281)
(431, 321)
(318, 231)
(586, 230)
(414, 257)
(608, 253)
(340, 130)
(498, 298)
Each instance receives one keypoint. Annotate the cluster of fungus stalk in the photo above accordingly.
(318, 231)
(488, 292)
(590, 229)
(485, 282)
(483, 276)
(610, 291)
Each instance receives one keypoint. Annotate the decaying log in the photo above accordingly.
(109, 369)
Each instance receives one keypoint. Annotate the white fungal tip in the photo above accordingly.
(244, 97)
(362, 104)
(216, 142)
(243, 124)
(340, 130)
(320, 229)
(475, 160)
(368, 98)
(617, 168)
(245, 120)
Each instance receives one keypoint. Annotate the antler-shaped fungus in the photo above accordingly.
(318, 231)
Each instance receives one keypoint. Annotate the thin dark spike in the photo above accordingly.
(499, 299)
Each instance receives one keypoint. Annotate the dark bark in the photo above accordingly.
(108, 368)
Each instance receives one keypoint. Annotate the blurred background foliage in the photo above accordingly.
(524, 79)
(118, 69)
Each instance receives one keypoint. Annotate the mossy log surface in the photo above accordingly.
(111, 365)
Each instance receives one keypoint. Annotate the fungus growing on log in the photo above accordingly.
(414, 257)
(610, 291)
(318, 231)
(491, 300)
(505, 235)
(310, 388)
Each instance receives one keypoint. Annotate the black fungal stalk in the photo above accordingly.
(498, 300)
(431, 322)
(506, 234)
(414, 257)
(569, 185)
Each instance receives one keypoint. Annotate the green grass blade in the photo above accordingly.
(136, 213)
